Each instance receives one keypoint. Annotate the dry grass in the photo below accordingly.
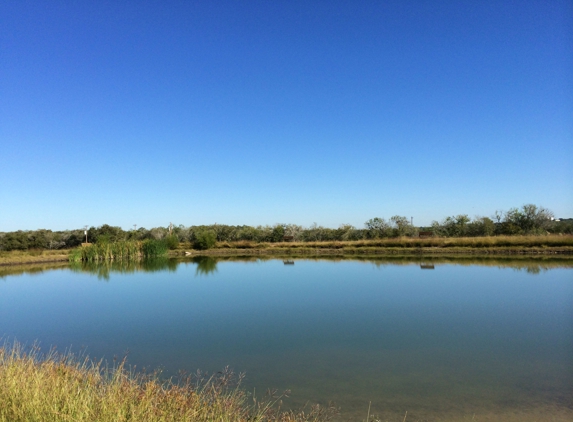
(407, 242)
(23, 257)
(64, 388)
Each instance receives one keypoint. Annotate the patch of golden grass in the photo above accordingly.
(407, 242)
(22, 257)
(64, 388)
(241, 244)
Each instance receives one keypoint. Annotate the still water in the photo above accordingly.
(439, 340)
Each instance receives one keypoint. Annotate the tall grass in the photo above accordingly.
(61, 387)
(153, 248)
(121, 250)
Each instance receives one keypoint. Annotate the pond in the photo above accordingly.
(438, 339)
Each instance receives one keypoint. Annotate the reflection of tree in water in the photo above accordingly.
(103, 269)
(533, 269)
(531, 265)
(205, 265)
(159, 264)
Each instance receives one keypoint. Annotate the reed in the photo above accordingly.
(63, 387)
(75, 255)
(153, 248)
(121, 250)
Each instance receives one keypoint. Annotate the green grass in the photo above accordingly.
(154, 248)
(56, 388)
(121, 250)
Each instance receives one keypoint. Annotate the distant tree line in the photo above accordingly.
(527, 220)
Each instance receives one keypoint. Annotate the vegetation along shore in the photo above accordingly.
(64, 387)
(482, 246)
(530, 229)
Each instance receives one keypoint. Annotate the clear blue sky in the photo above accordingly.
(264, 112)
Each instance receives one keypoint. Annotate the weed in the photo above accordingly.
(63, 387)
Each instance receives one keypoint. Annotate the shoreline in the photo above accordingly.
(476, 246)
(20, 259)
(434, 251)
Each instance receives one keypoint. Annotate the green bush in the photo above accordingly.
(278, 233)
(205, 239)
(172, 242)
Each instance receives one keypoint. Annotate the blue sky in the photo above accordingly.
(258, 112)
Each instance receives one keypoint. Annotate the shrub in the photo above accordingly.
(172, 242)
(205, 239)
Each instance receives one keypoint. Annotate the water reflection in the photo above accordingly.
(478, 336)
(208, 264)
(205, 265)
(103, 269)
(37, 268)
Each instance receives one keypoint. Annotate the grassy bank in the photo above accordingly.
(496, 245)
(373, 251)
(64, 388)
(503, 245)
(408, 242)
(33, 256)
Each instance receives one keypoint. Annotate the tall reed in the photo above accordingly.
(103, 251)
(153, 248)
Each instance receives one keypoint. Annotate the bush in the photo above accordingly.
(172, 242)
(205, 239)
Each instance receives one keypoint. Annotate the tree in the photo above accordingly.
(348, 232)
(278, 233)
(294, 231)
(481, 226)
(529, 219)
(454, 226)
(15, 241)
(158, 233)
(377, 227)
(402, 226)
(461, 224)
